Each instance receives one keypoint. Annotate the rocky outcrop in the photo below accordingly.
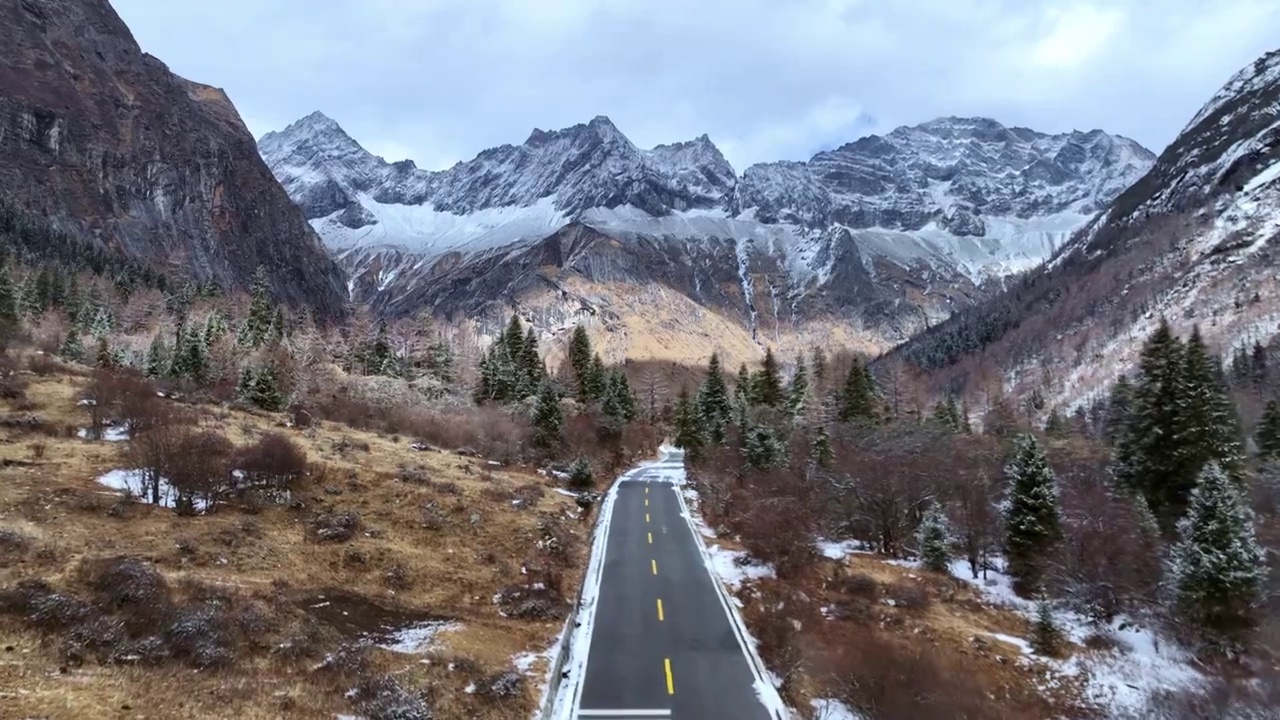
(106, 143)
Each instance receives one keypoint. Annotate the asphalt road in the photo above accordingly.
(662, 645)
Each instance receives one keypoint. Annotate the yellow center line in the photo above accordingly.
(661, 617)
(646, 517)
(646, 491)
(671, 686)
(650, 538)
(646, 502)
(654, 565)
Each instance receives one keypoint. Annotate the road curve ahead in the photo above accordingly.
(662, 644)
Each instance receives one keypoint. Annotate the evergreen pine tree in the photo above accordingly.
(532, 372)
(257, 325)
(1119, 410)
(8, 300)
(947, 415)
(379, 353)
(743, 391)
(688, 425)
(767, 388)
(761, 447)
(798, 390)
(857, 398)
(104, 359)
(1056, 426)
(714, 406)
(1258, 363)
(244, 385)
(548, 423)
(1145, 458)
(72, 348)
(820, 450)
(101, 325)
(1268, 433)
(279, 328)
(265, 392)
(1217, 569)
(1031, 519)
(819, 369)
(619, 404)
(1046, 636)
(580, 475)
(157, 363)
(27, 298)
(934, 537)
(597, 378)
(1208, 428)
(580, 361)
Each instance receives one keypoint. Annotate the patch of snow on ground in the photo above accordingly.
(1120, 680)
(733, 568)
(840, 550)
(1017, 642)
(827, 709)
(415, 638)
(135, 482)
(110, 433)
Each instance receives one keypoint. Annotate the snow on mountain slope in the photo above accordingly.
(1196, 241)
(936, 210)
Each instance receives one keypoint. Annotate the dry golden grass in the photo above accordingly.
(950, 634)
(453, 572)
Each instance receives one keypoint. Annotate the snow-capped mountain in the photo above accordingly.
(922, 216)
(1196, 240)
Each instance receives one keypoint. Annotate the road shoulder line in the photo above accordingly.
(762, 682)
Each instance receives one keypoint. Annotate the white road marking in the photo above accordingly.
(624, 713)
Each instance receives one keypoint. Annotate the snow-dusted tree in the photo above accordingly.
(1032, 524)
(580, 354)
(1268, 432)
(597, 379)
(1056, 425)
(256, 328)
(1146, 460)
(8, 299)
(798, 390)
(265, 390)
(72, 347)
(947, 414)
(820, 450)
(548, 422)
(857, 398)
(1209, 428)
(1046, 636)
(767, 383)
(157, 362)
(104, 359)
(688, 425)
(934, 539)
(1217, 569)
(653, 395)
(102, 323)
(743, 392)
(1119, 410)
(580, 475)
(762, 448)
(619, 404)
(714, 406)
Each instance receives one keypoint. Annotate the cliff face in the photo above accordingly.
(105, 142)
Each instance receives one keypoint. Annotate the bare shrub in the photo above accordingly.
(12, 385)
(533, 601)
(43, 607)
(397, 577)
(44, 365)
(13, 545)
(125, 397)
(382, 697)
(501, 686)
(198, 470)
(126, 583)
(908, 595)
(859, 585)
(335, 527)
(275, 462)
(202, 635)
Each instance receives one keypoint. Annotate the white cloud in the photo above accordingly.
(440, 80)
(1077, 33)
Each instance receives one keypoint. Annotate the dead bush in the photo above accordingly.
(43, 607)
(126, 584)
(12, 385)
(44, 365)
(779, 532)
(13, 545)
(432, 516)
(198, 470)
(501, 686)
(907, 595)
(496, 494)
(382, 697)
(532, 602)
(274, 462)
(416, 475)
(397, 577)
(889, 679)
(529, 494)
(202, 635)
(335, 527)
(858, 585)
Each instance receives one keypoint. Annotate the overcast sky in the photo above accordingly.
(439, 80)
